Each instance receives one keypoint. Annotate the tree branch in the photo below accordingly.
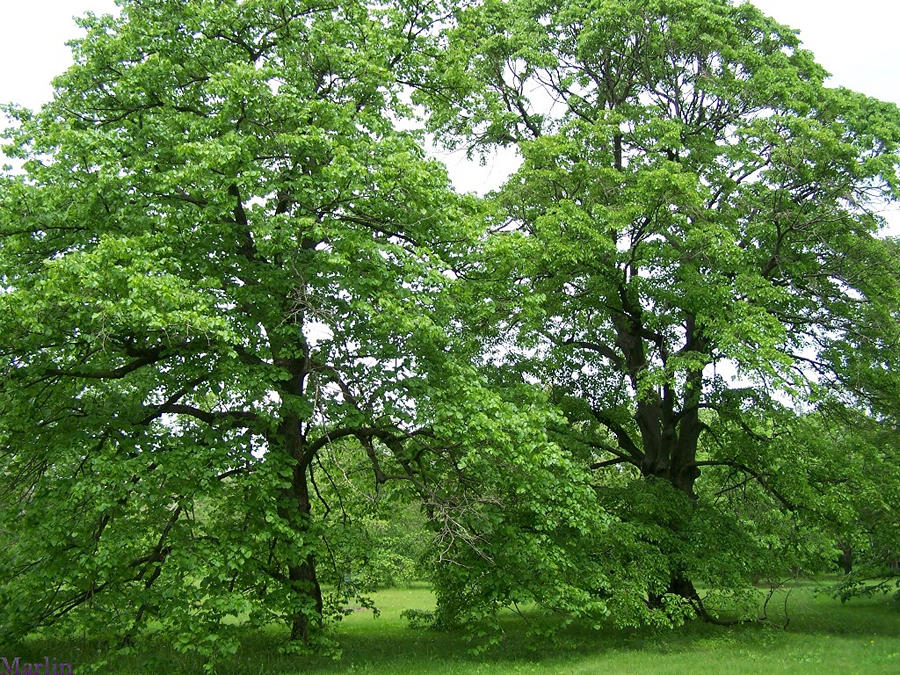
(622, 436)
(234, 418)
(360, 432)
(111, 374)
(601, 349)
(611, 462)
(790, 506)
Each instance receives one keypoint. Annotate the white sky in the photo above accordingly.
(856, 41)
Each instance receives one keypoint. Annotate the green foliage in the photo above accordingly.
(259, 360)
(692, 240)
(221, 258)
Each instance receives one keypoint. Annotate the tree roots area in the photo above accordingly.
(807, 630)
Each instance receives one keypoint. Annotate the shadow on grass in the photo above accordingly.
(386, 644)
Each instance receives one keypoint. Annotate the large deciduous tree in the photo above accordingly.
(693, 231)
(229, 281)
(222, 256)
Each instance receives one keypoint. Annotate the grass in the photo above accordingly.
(862, 636)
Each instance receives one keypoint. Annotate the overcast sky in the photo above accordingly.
(856, 41)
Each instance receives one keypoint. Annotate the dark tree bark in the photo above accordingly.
(303, 575)
(845, 560)
(296, 506)
(669, 428)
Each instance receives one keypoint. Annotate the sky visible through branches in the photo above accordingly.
(858, 46)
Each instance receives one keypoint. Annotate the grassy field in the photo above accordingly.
(862, 636)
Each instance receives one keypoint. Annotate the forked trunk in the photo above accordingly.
(671, 456)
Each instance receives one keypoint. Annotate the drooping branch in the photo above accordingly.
(790, 506)
(376, 465)
(156, 557)
(622, 436)
(312, 479)
(344, 515)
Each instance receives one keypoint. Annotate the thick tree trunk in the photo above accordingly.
(296, 508)
(304, 582)
(672, 450)
(669, 437)
(303, 575)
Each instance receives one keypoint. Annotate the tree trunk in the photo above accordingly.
(302, 575)
(669, 439)
(305, 582)
(672, 448)
(845, 560)
(296, 508)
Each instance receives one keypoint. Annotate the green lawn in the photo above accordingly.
(823, 636)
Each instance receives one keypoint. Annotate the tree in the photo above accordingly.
(693, 236)
(228, 277)
(222, 257)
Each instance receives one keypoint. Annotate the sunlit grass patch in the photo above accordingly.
(862, 636)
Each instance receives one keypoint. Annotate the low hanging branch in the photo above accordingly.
(789, 505)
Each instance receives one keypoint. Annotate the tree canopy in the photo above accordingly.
(694, 235)
(243, 314)
(222, 257)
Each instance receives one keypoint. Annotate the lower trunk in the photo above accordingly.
(845, 560)
(304, 582)
(675, 465)
(295, 506)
